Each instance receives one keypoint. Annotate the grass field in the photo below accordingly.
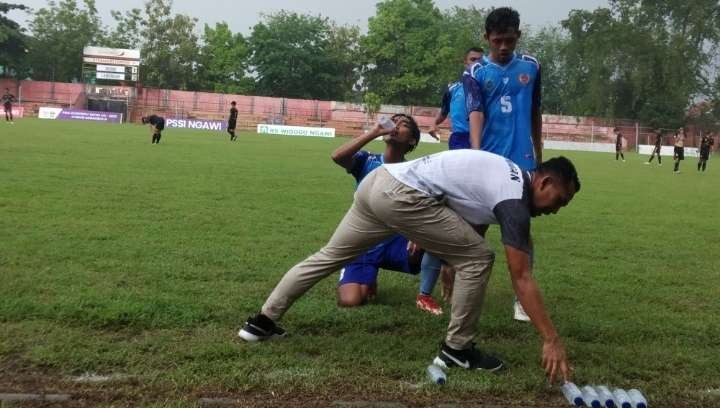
(119, 257)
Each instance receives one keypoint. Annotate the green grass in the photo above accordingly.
(117, 256)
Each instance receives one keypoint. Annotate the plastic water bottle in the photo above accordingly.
(637, 398)
(572, 394)
(591, 397)
(622, 398)
(436, 374)
(606, 396)
(386, 122)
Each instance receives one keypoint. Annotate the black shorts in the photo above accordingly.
(618, 148)
(679, 153)
(704, 154)
(657, 150)
(231, 125)
(160, 126)
(8, 107)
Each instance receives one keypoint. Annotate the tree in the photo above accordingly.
(403, 51)
(127, 32)
(13, 43)
(640, 60)
(547, 45)
(223, 61)
(302, 56)
(60, 32)
(170, 47)
(463, 28)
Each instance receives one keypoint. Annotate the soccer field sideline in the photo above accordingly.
(161, 251)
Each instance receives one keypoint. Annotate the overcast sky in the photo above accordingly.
(241, 15)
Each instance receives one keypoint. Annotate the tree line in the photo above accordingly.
(634, 59)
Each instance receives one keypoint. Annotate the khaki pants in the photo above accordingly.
(382, 207)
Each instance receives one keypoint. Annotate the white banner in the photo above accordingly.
(111, 68)
(49, 113)
(111, 75)
(585, 147)
(111, 52)
(111, 61)
(295, 130)
(426, 138)
(668, 150)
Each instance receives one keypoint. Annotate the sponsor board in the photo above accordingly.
(295, 130)
(17, 111)
(110, 68)
(668, 150)
(77, 114)
(580, 146)
(110, 75)
(199, 124)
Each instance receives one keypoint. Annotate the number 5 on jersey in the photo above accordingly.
(506, 104)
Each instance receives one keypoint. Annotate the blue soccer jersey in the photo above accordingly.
(453, 106)
(390, 254)
(364, 162)
(506, 94)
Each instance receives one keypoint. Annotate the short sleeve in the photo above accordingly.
(473, 92)
(445, 107)
(514, 219)
(359, 160)
(537, 89)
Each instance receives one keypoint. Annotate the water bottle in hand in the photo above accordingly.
(386, 122)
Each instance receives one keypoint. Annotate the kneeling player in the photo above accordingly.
(157, 124)
(358, 279)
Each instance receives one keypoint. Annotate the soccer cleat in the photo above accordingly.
(259, 328)
(469, 359)
(428, 304)
(647, 162)
(519, 313)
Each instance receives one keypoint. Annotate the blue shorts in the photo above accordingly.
(391, 254)
(459, 140)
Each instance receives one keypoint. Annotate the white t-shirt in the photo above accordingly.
(481, 187)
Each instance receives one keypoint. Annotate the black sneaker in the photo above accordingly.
(259, 328)
(469, 359)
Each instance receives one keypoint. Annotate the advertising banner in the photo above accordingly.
(77, 114)
(199, 124)
(111, 56)
(17, 111)
(668, 150)
(110, 75)
(110, 68)
(295, 130)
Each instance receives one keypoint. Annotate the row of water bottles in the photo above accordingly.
(600, 396)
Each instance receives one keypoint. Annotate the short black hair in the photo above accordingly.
(232, 103)
(501, 20)
(474, 49)
(144, 119)
(563, 168)
(412, 125)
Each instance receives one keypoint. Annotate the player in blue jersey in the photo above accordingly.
(358, 279)
(453, 106)
(503, 95)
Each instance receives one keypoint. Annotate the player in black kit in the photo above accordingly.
(232, 121)
(157, 124)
